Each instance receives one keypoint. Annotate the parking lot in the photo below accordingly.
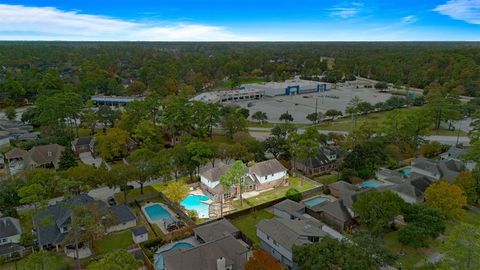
(299, 106)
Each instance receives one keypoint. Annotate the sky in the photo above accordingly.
(245, 20)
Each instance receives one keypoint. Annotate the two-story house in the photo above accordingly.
(260, 176)
(10, 232)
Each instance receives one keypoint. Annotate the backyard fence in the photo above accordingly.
(173, 206)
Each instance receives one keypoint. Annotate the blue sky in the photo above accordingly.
(217, 20)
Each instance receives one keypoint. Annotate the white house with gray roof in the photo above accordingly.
(10, 232)
(260, 176)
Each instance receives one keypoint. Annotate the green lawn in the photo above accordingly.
(132, 194)
(327, 179)
(58, 261)
(276, 193)
(247, 224)
(113, 241)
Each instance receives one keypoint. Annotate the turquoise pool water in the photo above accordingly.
(156, 212)
(371, 184)
(196, 203)
(180, 245)
(406, 171)
(315, 201)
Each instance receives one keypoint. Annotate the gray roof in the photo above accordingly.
(413, 187)
(215, 230)
(450, 169)
(321, 159)
(289, 232)
(267, 167)
(9, 227)
(139, 231)
(343, 186)
(290, 207)
(426, 165)
(16, 153)
(44, 154)
(214, 174)
(336, 209)
(82, 141)
(204, 257)
(122, 213)
(455, 152)
(392, 176)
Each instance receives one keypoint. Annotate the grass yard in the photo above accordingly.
(54, 262)
(113, 241)
(247, 224)
(276, 193)
(132, 194)
(327, 179)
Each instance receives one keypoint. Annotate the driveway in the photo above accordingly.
(88, 159)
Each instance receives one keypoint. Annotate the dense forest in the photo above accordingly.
(28, 69)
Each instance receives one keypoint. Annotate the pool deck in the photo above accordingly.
(329, 198)
(160, 224)
(191, 240)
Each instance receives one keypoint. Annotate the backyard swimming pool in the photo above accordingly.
(315, 201)
(406, 171)
(180, 245)
(198, 203)
(371, 184)
(156, 212)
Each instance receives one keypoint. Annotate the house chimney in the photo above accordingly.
(221, 263)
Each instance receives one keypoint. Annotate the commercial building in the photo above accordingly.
(288, 87)
(114, 100)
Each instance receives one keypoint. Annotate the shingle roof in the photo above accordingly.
(214, 174)
(336, 209)
(16, 153)
(204, 257)
(267, 167)
(289, 232)
(139, 230)
(122, 213)
(426, 165)
(450, 169)
(82, 141)
(9, 248)
(321, 159)
(43, 154)
(9, 227)
(290, 206)
(343, 186)
(214, 230)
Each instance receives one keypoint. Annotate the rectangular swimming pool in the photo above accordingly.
(157, 212)
(371, 184)
(315, 201)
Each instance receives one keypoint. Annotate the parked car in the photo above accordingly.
(111, 201)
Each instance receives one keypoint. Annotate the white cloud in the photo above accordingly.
(344, 12)
(47, 23)
(463, 10)
(409, 19)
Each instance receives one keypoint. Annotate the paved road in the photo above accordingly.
(263, 133)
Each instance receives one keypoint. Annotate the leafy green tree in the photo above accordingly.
(67, 159)
(10, 113)
(381, 86)
(286, 117)
(33, 193)
(375, 247)
(234, 121)
(427, 218)
(116, 260)
(376, 209)
(148, 135)
(176, 190)
(330, 253)
(315, 117)
(414, 236)
(200, 153)
(113, 144)
(467, 182)
(333, 113)
(260, 116)
(448, 199)
(107, 116)
(367, 156)
(234, 177)
(364, 107)
(119, 177)
(462, 248)
(146, 164)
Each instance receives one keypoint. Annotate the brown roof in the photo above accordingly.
(214, 174)
(267, 167)
(43, 154)
(16, 153)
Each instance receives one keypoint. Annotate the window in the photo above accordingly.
(265, 177)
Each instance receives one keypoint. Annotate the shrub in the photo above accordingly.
(414, 236)
(293, 194)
